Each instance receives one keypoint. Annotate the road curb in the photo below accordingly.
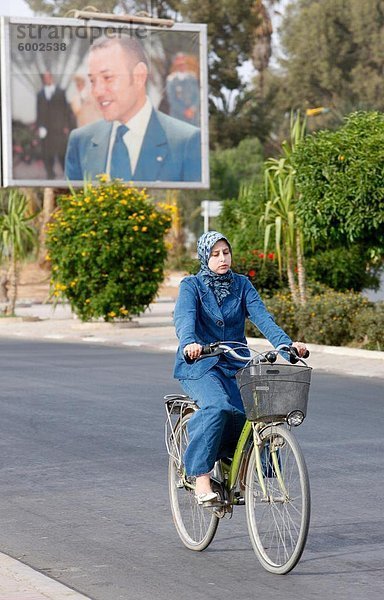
(18, 581)
(154, 330)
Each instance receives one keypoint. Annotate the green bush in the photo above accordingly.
(344, 268)
(340, 177)
(107, 249)
(329, 318)
(368, 327)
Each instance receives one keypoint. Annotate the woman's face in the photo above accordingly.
(220, 259)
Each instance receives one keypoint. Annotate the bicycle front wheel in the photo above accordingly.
(195, 524)
(277, 498)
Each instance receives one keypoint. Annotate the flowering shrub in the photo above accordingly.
(262, 270)
(106, 245)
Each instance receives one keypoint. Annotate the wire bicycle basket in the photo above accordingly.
(272, 392)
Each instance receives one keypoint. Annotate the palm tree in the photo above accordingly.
(280, 215)
(17, 238)
(262, 43)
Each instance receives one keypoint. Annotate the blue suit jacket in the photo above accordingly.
(198, 318)
(171, 151)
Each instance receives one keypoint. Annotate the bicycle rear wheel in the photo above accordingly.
(195, 525)
(278, 506)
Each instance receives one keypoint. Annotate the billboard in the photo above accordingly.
(82, 98)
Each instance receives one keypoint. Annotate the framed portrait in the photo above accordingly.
(87, 98)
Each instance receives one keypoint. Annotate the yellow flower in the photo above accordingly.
(135, 228)
(112, 314)
(103, 178)
(144, 229)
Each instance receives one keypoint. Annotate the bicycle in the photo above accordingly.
(267, 472)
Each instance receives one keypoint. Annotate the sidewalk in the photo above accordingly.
(153, 330)
(20, 582)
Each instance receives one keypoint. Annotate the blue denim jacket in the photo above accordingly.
(198, 318)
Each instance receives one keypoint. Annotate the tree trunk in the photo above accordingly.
(4, 281)
(48, 208)
(291, 279)
(13, 282)
(32, 197)
(301, 271)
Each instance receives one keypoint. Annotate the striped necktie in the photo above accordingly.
(120, 162)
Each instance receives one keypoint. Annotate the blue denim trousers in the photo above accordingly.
(215, 428)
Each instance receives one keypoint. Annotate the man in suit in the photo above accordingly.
(134, 141)
(54, 121)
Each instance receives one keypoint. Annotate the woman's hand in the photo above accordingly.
(193, 350)
(300, 347)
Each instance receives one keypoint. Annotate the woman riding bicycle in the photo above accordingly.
(213, 305)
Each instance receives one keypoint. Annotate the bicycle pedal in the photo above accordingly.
(239, 500)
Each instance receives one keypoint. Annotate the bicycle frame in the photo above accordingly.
(238, 457)
(178, 405)
(233, 470)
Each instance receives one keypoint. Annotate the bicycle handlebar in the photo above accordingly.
(217, 348)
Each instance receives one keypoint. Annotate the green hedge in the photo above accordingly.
(329, 318)
(349, 267)
(368, 327)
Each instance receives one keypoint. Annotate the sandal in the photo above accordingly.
(206, 497)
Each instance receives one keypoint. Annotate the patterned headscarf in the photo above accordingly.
(220, 284)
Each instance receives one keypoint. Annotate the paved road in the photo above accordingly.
(83, 483)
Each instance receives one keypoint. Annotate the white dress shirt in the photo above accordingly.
(49, 90)
(133, 139)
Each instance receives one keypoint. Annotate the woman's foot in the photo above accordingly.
(203, 484)
(203, 489)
